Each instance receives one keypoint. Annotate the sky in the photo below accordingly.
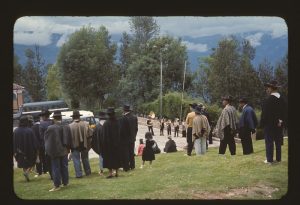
(30, 30)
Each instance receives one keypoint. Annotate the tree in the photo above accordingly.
(17, 70)
(54, 90)
(86, 66)
(144, 28)
(125, 53)
(33, 74)
(281, 74)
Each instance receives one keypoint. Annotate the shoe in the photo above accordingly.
(109, 177)
(54, 189)
(79, 177)
(26, 176)
(266, 162)
(64, 185)
(36, 176)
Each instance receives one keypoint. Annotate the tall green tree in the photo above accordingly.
(125, 53)
(281, 74)
(17, 70)
(86, 66)
(54, 90)
(34, 75)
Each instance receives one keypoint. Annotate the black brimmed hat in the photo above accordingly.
(76, 113)
(126, 108)
(228, 98)
(102, 115)
(243, 100)
(110, 110)
(57, 113)
(45, 112)
(198, 110)
(193, 105)
(272, 84)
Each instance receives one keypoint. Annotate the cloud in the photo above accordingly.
(195, 47)
(255, 39)
(207, 26)
(31, 30)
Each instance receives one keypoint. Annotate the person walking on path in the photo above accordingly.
(189, 122)
(148, 153)
(227, 126)
(81, 137)
(57, 145)
(97, 140)
(150, 125)
(273, 119)
(247, 125)
(25, 146)
(133, 125)
(111, 143)
(200, 131)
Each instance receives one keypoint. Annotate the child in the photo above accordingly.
(148, 153)
(141, 148)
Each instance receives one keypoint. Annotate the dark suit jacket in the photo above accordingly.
(133, 124)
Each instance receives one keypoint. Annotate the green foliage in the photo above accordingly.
(214, 112)
(33, 75)
(86, 66)
(17, 71)
(54, 91)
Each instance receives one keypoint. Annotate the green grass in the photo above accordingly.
(174, 176)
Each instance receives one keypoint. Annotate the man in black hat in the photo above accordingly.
(133, 125)
(226, 126)
(273, 119)
(189, 123)
(57, 145)
(247, 125)
(97, 140)
(45, 160)
(81, 137)
(111, 143)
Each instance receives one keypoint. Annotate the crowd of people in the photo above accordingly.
(48, 145)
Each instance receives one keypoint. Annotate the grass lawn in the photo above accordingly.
(174, 176)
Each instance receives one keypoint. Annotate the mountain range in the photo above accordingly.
(267, 47)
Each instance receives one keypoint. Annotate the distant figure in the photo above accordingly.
(25, 146)
(183, 129)
(273, 119)
(168, 123)
(227, 126)
(148, 153)
(176, 127)
(170, 146)
(150, 125)
(247, 125)
(162, 127)
(141, 148)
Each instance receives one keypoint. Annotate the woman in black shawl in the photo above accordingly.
(25, 146)
(111, 152)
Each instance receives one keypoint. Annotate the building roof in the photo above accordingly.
(17, 87)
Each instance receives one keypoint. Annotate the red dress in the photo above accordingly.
(140, 149)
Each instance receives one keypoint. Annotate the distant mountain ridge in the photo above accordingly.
(273, 49)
